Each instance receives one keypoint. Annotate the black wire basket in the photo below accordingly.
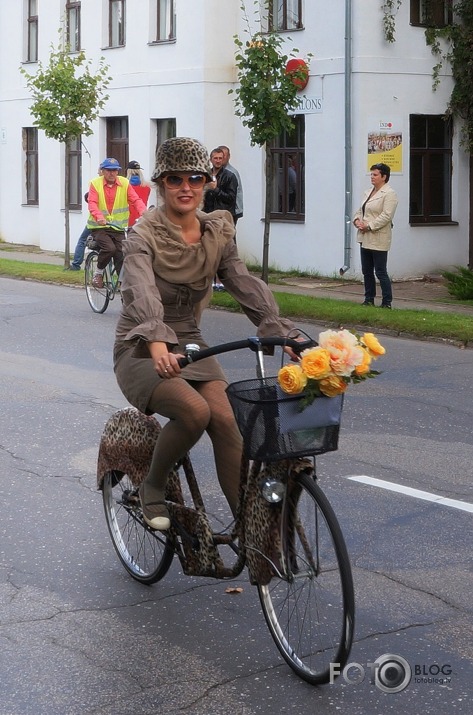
(275, 425)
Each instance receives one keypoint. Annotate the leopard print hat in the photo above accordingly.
(182, 154)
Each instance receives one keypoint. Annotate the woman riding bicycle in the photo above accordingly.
(171, 258)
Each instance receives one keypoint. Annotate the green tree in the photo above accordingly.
(264, 99)
(67, 98)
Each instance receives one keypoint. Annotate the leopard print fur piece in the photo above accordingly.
(263, 520)
(196, 551)
(127, 445)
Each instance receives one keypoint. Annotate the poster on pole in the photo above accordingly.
(385, 143)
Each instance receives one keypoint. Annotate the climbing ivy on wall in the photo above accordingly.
(390, 8)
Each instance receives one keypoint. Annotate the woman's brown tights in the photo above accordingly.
(192, 410)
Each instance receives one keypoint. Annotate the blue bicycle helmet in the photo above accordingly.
(110, 163)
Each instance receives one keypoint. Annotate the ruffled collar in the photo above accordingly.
(176, 261)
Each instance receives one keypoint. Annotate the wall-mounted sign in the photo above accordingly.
(385, 143)
(309, 105)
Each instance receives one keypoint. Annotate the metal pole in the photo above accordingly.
(348, 147)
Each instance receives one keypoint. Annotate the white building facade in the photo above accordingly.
(172, 64)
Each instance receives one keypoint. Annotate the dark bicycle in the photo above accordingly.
(285, 531)
(99, 298)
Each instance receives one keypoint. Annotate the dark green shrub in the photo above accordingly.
(460, 284)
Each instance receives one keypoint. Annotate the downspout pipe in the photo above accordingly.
(348, 146)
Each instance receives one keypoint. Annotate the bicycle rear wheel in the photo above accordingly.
(145, 554)
(98, 297)
(310, 609)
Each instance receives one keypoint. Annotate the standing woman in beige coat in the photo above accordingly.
(374, 221)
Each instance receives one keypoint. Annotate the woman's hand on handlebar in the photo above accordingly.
(168, 366)
(295, 355)
(165, 363)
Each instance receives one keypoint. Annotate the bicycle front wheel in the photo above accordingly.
(98, 297)
(146, 554)
(310, 606)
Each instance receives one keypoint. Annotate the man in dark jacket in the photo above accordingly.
(221, 193)
(239, 196)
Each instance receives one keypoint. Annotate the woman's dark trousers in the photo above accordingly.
(375, 263)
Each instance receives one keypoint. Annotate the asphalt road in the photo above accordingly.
(80, 637)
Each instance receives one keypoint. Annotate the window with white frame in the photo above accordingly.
(116, 23)
(281, 15)
(32, 31)
(74, 158)
(166, 20)
(73, 26)
(430, 176)
(431, 13)
(288, 162)
(30, 151)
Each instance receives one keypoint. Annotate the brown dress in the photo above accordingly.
(166, 284)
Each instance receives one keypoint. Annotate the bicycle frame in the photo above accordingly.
(191, 536)
(112, 280)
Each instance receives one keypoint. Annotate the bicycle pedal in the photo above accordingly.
(130, 498)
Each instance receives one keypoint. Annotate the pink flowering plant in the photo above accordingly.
(341, 357)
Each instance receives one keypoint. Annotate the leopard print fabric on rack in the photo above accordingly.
(127, 445)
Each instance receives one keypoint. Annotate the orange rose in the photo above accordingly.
(371, 343)
(291, 379)
(332, 386)
(315, 362)
(364, 367)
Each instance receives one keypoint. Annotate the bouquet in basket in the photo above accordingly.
(341, 357)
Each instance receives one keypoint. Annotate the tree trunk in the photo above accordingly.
(267, 212)
(67, 254)
(470, 242)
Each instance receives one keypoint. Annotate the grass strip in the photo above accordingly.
(40, 272)
(456, 327)
(340, 313)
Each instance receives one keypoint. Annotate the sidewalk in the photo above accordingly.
(428, 293)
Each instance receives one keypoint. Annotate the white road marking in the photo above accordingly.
(417, 493)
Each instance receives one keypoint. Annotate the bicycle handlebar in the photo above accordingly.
(114, 225)
(193, 354)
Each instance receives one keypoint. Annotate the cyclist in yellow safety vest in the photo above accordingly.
(110, 197)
